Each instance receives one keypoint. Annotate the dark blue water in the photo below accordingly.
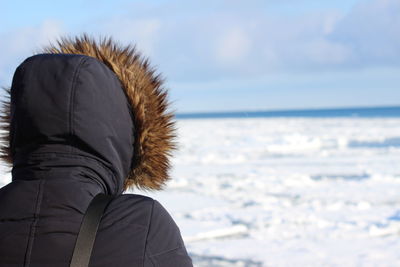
(371, 112)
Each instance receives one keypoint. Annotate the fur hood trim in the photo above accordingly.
(154, 123)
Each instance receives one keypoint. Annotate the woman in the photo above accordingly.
(86, 117)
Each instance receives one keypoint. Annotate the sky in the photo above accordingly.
(233, 55)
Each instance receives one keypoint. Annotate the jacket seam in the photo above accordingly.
(6, 220)
(71, 112)
(33, 225)
(147, 235)
(69, 155)
(74, 156)
(166, 251)
(72, 97)
(150, 259)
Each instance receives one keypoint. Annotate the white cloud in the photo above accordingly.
(222, 40)
(372, 31)
(232, 47)
(26, 39)
(143, 31)
(22, 43)
(323, 52)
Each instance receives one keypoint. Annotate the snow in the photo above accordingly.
(287, 191)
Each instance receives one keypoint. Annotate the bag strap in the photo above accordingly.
(87, 233)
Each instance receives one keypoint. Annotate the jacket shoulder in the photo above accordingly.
(123, 232)
(164, 244)
(129, 209)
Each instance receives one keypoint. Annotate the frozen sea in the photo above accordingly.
(287, 191)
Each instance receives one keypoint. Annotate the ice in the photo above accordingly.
(287, 191)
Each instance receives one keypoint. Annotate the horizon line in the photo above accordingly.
(283, 111)
(289, 109)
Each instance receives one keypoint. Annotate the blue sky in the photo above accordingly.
(233, 54)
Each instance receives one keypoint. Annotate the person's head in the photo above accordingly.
(108, 92)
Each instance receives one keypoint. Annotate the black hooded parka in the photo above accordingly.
(71, 137)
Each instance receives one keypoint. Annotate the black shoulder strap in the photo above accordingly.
(87, 233)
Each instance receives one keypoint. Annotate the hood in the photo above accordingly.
(97, 104)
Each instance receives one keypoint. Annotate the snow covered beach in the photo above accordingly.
(288, 191)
